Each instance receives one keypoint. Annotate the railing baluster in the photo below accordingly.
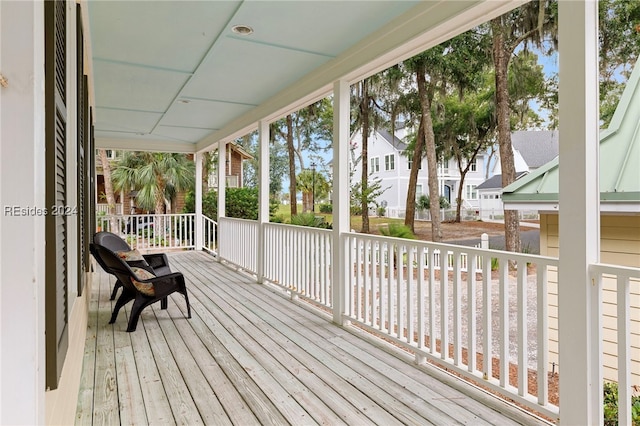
(471, 314)
(542, 334)
(487, 346)
(624, 350)
(503, 309)
(457, 308)
(444, 304)
(523, 349)
(432, 301)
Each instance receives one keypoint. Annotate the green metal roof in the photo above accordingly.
(619, 159)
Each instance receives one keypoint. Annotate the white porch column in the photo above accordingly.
(22, 184)
(263, 195)
(341, 188)
(222, 186)
(198, 222)
(222, 178)
(580, 376)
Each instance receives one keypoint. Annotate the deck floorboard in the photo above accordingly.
(249, 356)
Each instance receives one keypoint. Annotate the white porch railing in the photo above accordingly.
(152, 232)
(490, 325)
(105, 208)
(617, 321)
(238, 242)
(210, 229)
(456, 318)
(298, 258)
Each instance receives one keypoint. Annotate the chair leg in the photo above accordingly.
(138, 305)
(117, 285)
(186, 299)
(163, 303)
(124, 298)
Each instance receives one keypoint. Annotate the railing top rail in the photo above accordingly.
(298, 227)
(148, 215)
(534, 258)
(235, 219)
(604, 268)
(205, 217)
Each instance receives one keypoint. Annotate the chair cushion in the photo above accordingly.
(134, 259)
(144, 288)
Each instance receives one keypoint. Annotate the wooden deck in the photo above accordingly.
(250, 356)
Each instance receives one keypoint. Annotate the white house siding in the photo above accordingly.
(620, 245)
(397, 180)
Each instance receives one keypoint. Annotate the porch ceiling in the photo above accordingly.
(172, 75)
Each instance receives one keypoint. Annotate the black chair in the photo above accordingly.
(158, 261)
(142, 291)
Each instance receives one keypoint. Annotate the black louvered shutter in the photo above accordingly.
(82, 100)
(56, 272)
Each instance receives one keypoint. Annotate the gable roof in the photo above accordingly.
(394, 141)
(536, 147)
(495, 182)
(619, 163)
(237, 148)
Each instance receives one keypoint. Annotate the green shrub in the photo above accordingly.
(356, 210)
(276, 219)
(610, 391)
(310, 220)
(424, 203)
(326, 208)
(381, 211)
(397, 230)
(241, 203)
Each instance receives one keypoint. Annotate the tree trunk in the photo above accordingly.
(410, 214)
(463, 173)
(432, 161)
(364, 111)
(501, 62)
(292, 167)
(108, 189)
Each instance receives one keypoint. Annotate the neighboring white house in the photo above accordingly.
(389, 163)
(531, 150)
(490, 197)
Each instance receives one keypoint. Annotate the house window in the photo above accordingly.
(418, 191)
(390, 162)
(443, 165)
(375, 165)
(473, 166)
(472, 192)
(410, 162)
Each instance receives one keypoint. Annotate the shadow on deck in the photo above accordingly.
(251, 356)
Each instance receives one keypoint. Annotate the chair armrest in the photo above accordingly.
(156, 260)
(166, 284)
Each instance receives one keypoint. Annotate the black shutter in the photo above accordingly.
(91, 161)
(56, 192)
(82, 135)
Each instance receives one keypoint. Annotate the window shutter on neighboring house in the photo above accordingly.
(56, 272)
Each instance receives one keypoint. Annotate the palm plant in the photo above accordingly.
(157, 177)
(305, 182)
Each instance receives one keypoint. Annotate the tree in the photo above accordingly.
(619, 40)
(108, 187)
(308, 129)
(312, 184)
(370, 193)
(466, 127)
(366, 116)
(156, 177)
(528, 23)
